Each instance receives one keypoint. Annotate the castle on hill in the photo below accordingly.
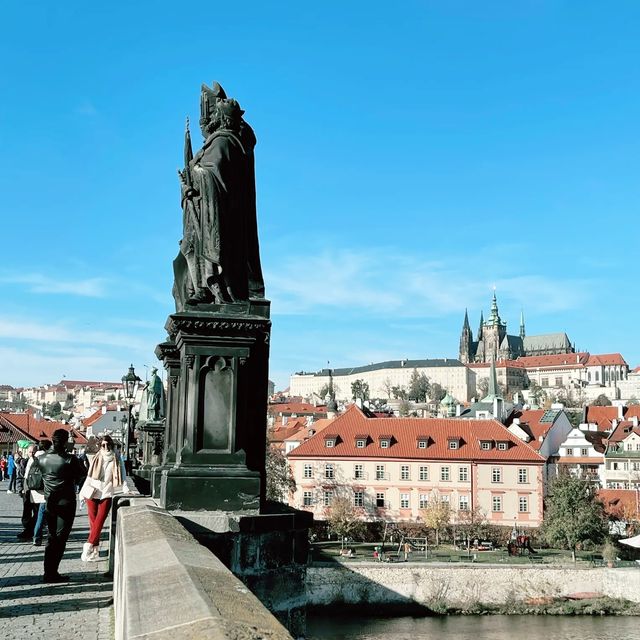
(493, 342)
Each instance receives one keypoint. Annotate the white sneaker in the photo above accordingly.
(94, 556)
(87, 548)
(9, 491)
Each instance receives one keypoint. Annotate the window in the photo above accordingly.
(424, 473)
(404, 472)
(597, 376)
(380, 472)
(361, 443)
(423, 501)
(496, 474)
(584, 452)
(404, 500)
(559, 381)
(496, 503)
(502, 446)
(329, 471)
(422, 444)
(328, 498)
(384, 444)
(485, 445)
(463, 503)
(635, 466)
(308, 471)
(629, 446)
(523, 504)
(358, 471)
(544, 382)
(523, 475)
(358, 498)
(445, 498)
(589, 376)
(463, 474)
(380, 500)
(307, 498)
(329, 443)
(453, 444)
(445, 474)
(569, 451)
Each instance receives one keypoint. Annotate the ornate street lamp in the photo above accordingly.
(130, 383)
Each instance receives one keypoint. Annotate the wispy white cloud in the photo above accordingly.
(39, 283)
(386, 282)
(28, 330)
(86, 108)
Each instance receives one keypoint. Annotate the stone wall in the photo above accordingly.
(168, 586)
(460, 586)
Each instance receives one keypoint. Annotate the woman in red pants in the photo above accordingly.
(106, 475)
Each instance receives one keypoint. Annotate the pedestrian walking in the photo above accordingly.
(60, 472)
(407, 551)
(106, 476)
(3, 467)
(21, 467)
(29, 508)
(38, 498)
(11, 469)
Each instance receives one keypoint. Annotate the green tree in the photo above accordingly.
(55, 409)
(404, 408)
(343, 520)
(573, 514)
(436, 515)
(360, 389)
(324, 389)
(601, 401)
(437, 392)
(280, 482)
(418, 386)
(399, 392)
(537, 395)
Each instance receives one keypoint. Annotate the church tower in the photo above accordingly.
(522, 333)
(493, 332)
(465, 354)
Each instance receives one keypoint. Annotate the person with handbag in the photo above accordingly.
(106, 476)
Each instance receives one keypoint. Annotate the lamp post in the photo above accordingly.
(130, 383)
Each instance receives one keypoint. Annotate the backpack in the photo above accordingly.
(35, 481)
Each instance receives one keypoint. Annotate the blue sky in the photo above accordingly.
(410, 157)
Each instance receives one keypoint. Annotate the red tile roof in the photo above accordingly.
(623, 430)
(530, 423)
(407, 431)
(619, 503)
(564, 360)
(606, 359)
(39, 429)
(298, 408)
(602, 416)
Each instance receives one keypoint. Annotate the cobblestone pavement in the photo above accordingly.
(81, 608)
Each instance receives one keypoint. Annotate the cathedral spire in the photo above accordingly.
(495, 316)
(522, 332)
(466, 340)
(480, 327)
(466, 324)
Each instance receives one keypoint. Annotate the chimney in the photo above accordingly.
(516, 421)
(620, 412)
(634, 420)
(577, 358)
(614, 424)
(285, 419)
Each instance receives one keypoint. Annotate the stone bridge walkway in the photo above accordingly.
(81, 608)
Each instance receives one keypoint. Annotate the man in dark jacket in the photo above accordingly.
(60, 472)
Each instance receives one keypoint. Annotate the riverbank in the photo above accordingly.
(419, 589)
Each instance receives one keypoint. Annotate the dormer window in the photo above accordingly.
(454, 443)
(423, 442)
(385, 442)
(503, 446)
(361, 441)
(330, 441)
(485, 445)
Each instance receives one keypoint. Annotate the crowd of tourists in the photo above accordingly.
(49, 479)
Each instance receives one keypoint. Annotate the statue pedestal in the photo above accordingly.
(152, 438)
(217, 361)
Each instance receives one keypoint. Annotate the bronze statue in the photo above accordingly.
(219, 259)
(155, 396)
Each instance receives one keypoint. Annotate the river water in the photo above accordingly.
(491, 627)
